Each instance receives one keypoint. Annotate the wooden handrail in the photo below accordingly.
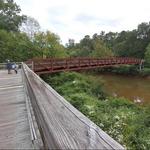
(61, 125)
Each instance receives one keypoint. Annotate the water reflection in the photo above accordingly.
(136, 89)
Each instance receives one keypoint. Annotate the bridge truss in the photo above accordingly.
(51, 65)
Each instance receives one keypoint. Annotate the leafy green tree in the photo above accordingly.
(10, 19)
(100, 49)
(128, 44)
(48, 45)
(86, 46)
(15, 46)
(125, 44)
(110, 38)
(72, 48)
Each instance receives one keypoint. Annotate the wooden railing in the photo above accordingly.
(3, 65)
(42, 66)
(61, 125)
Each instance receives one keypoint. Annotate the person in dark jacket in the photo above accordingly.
(9, 66)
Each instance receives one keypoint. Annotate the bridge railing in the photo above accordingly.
(60, 124)
(66, 64)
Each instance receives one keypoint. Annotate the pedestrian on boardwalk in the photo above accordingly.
(9, 66)
(15, 67)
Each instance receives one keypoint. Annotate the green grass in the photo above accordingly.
(126, 122)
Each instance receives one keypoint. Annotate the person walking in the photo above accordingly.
(9, 66)
(15, 67)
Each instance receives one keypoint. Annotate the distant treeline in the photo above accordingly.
(135, 43)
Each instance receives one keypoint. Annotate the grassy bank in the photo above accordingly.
(126, 122)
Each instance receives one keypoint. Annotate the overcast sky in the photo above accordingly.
(77, 18)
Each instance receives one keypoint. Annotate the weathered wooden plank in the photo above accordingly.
(63, 126)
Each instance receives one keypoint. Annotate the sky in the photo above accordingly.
(76, 18)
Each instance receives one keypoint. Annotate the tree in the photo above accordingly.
(110, 38)
(15, 46)
(86, 46)
(143, 30)
(102, 35)
(124, 44)
(30, 27)
(48, 45)
(147, 54)
(70, 44)
(10, 19)
(100, 49)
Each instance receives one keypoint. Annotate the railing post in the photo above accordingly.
(89, 61)
(51, 64)
(79, 62)
(32, 65)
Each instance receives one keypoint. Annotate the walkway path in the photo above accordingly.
(14, 125)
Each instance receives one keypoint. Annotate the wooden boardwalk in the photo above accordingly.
(14, 124)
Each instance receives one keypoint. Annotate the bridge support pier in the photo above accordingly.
(141, 65)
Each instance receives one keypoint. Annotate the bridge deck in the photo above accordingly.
(14, 125)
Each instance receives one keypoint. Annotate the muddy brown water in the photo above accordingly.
(134, 88)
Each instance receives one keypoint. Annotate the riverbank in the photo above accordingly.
(126, 70)
(125, 121)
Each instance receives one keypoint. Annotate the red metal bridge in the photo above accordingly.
(51, 65)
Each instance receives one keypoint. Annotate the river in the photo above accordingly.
(136, 89)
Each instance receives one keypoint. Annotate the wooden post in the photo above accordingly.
(32, 65)
(51, 64)
(79, 62)
(66, 64)
(141, 64)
